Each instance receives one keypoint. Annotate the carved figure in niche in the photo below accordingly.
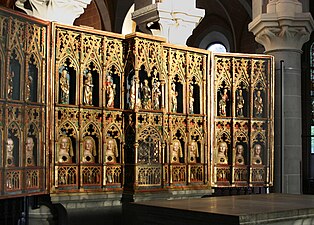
(156, 94)
(132, 95)
(112, 151)
(28, 88)
(89, 150)
(64, 87)
(223, 102)
(10, 84)
(222, 157)
(173, 95)
(194, 152)
(240, 103)
(88, 89)
(258, 104)
(10, 148)
(65, 153)
(29, 151)
(146, 95)
(176, 152)
(256, 158)
(111, 92)
(191, 100)
(239, 159)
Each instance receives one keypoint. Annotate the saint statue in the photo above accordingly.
(111, 91)
(111, 151)
(176, 152)
(65, 152)
(173, 96)
(29, 147)
(156, 94)
(223, 102)
(64, 87)
(89, 150)
(256, 158)
(240, 103)
(88, 89)
(191, 100)
(10, 151)
(10, 84)
(132, 95)
(28, 88)
(193, 152)
(258, 104)
(239, 159)
(222, 157)
(146, 95)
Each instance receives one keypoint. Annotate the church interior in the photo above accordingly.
(156, 112)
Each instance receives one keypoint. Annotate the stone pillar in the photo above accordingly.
(41, 216)
(61, 11)
(282, 30)
(171, 19)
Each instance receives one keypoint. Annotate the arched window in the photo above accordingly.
(217, 47)
(215, 41)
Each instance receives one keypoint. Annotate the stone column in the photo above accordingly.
(282, 30)
(171, 19)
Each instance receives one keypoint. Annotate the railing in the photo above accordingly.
(149, 175)
(178, 173)
(113, 174)
(196, 173)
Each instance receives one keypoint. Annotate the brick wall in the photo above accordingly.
(90, 17)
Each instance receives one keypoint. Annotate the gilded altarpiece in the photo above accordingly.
(87, 110)
(165, 115)
(187, 96)
(144, 112)
(243, 105)
(23, 105)
(130, 113)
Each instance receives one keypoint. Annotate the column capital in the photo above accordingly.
(283, 27)
(170, 19)
(61, 11)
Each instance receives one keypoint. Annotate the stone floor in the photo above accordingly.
(276, 209)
